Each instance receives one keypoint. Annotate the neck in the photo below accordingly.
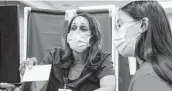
(139, 61)
(79, 57)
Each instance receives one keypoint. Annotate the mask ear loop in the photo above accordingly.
(89, 41)
(136, 35)
(141, 25)
(140, 31)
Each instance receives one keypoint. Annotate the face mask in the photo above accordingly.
(78, 41)
(125, 39)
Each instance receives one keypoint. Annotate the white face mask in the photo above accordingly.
(125, 39)
(78, 41)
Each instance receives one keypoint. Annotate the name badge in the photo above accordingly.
(64, 90)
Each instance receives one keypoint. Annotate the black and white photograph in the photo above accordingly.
(85, 45)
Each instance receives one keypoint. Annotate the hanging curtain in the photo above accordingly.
(45, 28)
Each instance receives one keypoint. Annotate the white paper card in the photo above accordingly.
(37, 73)
(132, 65)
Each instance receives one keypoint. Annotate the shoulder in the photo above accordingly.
(103, 58)
(145, 69)
(149, 83)
(106, 67)
(147, 80)
(53, 56)
(104, 55)
(56, 50)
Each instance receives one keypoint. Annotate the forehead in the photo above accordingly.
(124, 17)
(80, 20)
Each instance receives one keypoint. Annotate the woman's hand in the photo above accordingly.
(29, 62)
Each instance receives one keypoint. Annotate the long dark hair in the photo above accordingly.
(95, 40)
(155, 44)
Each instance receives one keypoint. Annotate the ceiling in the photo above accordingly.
(77, 4)
(71, 4)
(74, 4)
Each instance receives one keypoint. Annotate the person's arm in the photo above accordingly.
(107, 83)
(48, 59)
(36, 85)
(149, 83)
(107, 76)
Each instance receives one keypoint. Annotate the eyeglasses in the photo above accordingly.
(119, 25)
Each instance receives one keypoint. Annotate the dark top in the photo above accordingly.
(146, 79)
(89, 78)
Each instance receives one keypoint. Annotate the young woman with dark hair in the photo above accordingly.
(143, 31)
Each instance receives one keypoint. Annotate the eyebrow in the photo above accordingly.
(81, 24)
(73, 23)
(119, 20)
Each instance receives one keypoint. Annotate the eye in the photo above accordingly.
(118, 26)
(119, 23)
(84, 28)
(73, 27)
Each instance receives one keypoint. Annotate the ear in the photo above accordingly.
(145, 23)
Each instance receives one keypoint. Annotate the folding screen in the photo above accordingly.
(9, 47)
(45, 30)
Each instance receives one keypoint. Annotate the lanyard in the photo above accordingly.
(65, 78)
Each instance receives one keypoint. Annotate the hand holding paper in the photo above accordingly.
(37, 73)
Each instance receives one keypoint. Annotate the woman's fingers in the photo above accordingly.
(34, 61)
(29, 62)
(22, 67)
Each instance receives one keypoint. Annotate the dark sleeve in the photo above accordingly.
(47, 59)
(106, 68)
(149, 83)
(51, 56)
